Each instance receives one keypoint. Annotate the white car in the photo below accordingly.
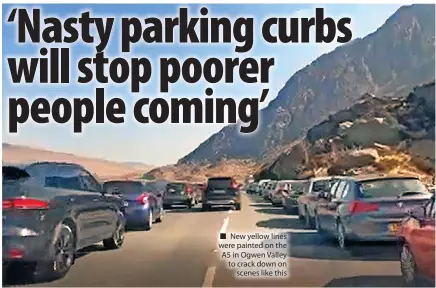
(270, 187)
(261, 185)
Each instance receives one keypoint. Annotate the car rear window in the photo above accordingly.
(220, 183)
(391, 188)
(177, 187)
(123, 187)
(299, 187)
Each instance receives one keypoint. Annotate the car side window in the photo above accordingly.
(334, 188)
(90, 183)
(344, 192)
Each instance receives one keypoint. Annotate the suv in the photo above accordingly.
(221, 191)
(179, 193)
(50, 211)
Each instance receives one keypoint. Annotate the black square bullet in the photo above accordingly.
(222, 236)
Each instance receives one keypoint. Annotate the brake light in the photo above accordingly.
(24, 203)
(362, 207)
(143, 198)
(189, 189)
(15, 253)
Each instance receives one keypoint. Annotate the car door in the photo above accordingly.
(322, 210)
(104, 210)
(422, 242)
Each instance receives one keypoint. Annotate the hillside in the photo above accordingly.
(15, 154)
(239, 169)
(376, 135)
(390, 61)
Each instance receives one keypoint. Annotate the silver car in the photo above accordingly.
(368, 208)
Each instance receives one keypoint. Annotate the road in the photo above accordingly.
(182, 252)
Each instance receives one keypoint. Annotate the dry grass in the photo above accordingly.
(14, 154)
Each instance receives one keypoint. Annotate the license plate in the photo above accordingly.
(219, 191)
(394, 227)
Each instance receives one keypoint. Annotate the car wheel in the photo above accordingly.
(408, 267)
(149, 223)
(117, 239)
(161, 215)
(340, 234)
(61, 260)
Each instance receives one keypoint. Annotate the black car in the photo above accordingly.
(51, 210)
(179, 193)
(221, 191)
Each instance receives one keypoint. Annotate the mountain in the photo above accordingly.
(375, 135)
(390, 61)
(104, 169)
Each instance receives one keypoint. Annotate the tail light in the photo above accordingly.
(24, 203)
(143, 198)
(15, 253)
(362, 207)
(189, 189)
(234, 185)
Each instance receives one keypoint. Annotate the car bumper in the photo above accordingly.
(136, 215)
(25, 248)
(364, 230)
(177, 201)
(222, 202)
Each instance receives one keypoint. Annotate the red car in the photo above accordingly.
(418, 245)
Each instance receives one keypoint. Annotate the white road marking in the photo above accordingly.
(224, 226)
(210, 276)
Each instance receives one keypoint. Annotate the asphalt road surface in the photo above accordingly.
(182, 252)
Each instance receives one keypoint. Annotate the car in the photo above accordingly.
(368, 208)
(198, 192)
(306, 202)
(417, 242)
(252, 188)
(221, 191)
(50, 211)
(269, 187)
(294, 189)
(276, 195)
(141, 200)
(179, 193)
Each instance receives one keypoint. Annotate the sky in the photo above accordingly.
(161, 144)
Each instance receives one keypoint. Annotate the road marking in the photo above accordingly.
(210, 276)
(230, 211)
(224, 226)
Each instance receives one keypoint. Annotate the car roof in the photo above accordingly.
(53, 163)
(372, 177)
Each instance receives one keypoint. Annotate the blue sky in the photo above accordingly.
(161, 144)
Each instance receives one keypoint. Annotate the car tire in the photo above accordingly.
(117, 239)
(161, 215)
(340, 236)
(149, 222)
(238, 207)
(58, 265)
(205, 207)
(408, 267)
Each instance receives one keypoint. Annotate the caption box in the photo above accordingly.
(255, 255)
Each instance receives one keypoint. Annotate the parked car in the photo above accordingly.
(261, 185)
(50, 211)
(295, 189)
(306, 203)
(141, 200)
(368, 208)
(269, 188)
(417, 239)
(221, 191)
(179, 193)
(252, 188)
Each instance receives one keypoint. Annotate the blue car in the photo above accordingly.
(142, 201)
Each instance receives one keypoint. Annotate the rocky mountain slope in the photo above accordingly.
(390, 61)
(16, 154)
(377, 134)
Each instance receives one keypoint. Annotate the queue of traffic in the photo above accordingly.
(52, 210)
(366, 208)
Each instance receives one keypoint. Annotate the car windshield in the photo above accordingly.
(123, 187)
(220, 183)
(391, 188)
